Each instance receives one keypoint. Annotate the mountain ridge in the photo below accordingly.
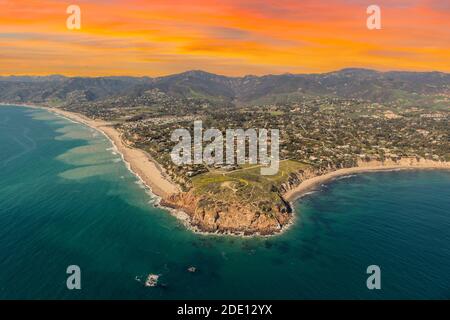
(349, 83)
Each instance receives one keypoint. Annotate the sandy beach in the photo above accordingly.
(371, 166)
(138, 160)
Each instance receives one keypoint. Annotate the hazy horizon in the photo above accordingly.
(219, 74)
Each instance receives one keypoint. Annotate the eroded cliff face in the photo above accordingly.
(229, 218)
(241, 218)
(406, 162)
(295, 179)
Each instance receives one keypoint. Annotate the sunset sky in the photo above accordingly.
(231, 37)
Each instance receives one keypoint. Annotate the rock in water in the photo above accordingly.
(152, 280)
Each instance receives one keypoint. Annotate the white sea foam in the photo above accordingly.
(307, 193)
(345, 177)
(140, 184)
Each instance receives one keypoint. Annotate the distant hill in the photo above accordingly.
(382, 87)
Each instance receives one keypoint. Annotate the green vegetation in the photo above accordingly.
(246, 185)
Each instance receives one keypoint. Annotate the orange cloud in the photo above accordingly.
(229, 37)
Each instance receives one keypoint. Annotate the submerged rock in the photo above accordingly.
(152, 280)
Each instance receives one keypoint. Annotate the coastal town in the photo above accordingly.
(322, 132)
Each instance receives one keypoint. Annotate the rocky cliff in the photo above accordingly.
(229, 218)
(243, 218)
(237, 217)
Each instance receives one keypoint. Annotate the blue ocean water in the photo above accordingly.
(67, 199)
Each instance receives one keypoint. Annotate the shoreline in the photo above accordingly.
(136, 160)
(135, 166)
(310, 184)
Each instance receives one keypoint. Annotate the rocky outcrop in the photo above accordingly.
(296, 178)
(229, 218)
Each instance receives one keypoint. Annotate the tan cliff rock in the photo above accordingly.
(229, 218)
(236, 217)
(405, 162)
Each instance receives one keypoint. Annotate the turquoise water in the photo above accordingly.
(66, 198)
